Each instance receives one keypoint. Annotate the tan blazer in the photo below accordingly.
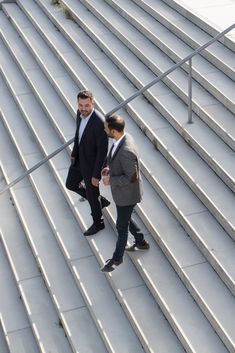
(125, 181)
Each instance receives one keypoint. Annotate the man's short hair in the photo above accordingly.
(84, 94)
(115, 122)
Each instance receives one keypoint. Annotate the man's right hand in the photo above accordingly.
(105, 179)
(105, 176)
(105, 171)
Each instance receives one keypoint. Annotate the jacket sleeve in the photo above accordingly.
(102, 150)
(130, 171)
(75, 143)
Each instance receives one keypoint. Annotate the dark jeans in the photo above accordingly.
(91, 193)
(123, 224)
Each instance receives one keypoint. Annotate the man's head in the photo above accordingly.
(85, 102)
(114, 126)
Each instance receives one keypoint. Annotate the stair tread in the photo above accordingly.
(66, 296)
(186, 29)
(136, 42)
(192, 265)
(138, 139)
(211, 109)
(22, 342)
(160, 28)
(214, 111)
(44, 183)
(131, 280)
(13, 314)
(3, 344)
(98, 307)
(182, 313)
(18, 333)
(221, 159)
(186, 204)
(42, 242)
(158, 131)
(43, 316)
(147, 265)
(208, 17)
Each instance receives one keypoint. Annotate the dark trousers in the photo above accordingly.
(91, 193)
(123, 224)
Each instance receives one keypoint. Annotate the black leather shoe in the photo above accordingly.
(94, 228)
(110, 265)
(104, 202)
(142, 246)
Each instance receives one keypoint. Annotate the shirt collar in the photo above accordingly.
(116, 142)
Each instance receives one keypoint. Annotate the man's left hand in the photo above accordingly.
(95, 181)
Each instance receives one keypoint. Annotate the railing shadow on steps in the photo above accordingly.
(132, 97)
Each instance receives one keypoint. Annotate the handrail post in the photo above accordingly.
(190, 93)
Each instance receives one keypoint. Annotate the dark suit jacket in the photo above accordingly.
(91, 153)
(125, 180)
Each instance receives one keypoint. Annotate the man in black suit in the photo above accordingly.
(123, 175)
(87, 158)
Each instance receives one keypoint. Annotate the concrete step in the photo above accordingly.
(61, 285)
(83, 214)
(187, 262)
(131, 286)
(206, 195)
(3, 342)
(42, 88)
(207, 15)
(16, 326)
(106, 303)
(219, 85)
(175, 47)
(92, 296)
(41, 311)
(208, 108)
(194, 36)
(197, 141)
(197, 274)
(112, 46)
(70, 305)
(183, 257)
(224, 268)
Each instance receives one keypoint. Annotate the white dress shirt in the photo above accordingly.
(83, 124)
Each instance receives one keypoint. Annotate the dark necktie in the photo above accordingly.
(111, 150)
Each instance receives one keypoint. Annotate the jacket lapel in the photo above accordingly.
(117, 149)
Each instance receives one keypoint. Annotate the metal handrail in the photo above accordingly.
(132, 97)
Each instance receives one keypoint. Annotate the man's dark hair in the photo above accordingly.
(115, 122)
(85, 94)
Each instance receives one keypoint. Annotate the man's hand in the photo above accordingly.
(72, 160)
(95, 181)
(105, 176)
(105, 171)
(105, 179)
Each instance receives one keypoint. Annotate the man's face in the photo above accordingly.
(108, 131)
(85, 106)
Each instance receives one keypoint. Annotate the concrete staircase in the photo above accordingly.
(179, 296)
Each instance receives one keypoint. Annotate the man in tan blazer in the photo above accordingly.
(123, 175)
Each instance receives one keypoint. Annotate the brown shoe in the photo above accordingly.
(142, 246)
(109, 265)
